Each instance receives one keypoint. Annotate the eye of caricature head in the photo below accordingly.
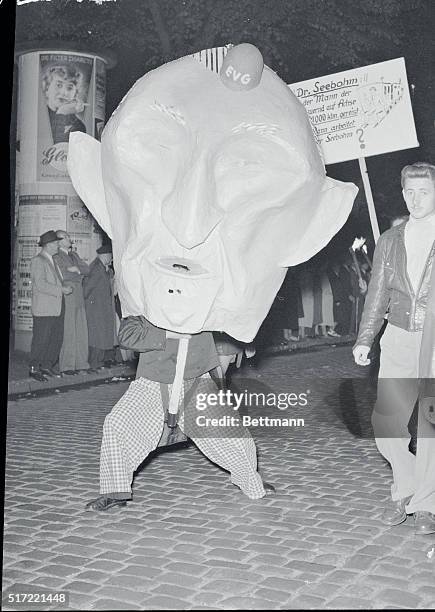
(254, 162)
(150, 141)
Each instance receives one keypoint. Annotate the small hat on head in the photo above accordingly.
(47, 237)
(242, 67)
(104, 248)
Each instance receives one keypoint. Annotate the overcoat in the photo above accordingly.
(100, 306)
(74, 352)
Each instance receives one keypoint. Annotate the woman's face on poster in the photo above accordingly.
(59, 92)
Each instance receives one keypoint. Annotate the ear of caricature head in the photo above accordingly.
(331, 213)
(84, 167)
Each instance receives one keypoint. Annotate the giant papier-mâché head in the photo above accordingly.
(210, 185)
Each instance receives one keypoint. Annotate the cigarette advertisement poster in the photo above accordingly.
(66, 96)
(361, 112)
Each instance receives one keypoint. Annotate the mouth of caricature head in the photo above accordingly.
(181, 266)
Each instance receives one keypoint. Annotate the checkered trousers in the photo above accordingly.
(133, 429)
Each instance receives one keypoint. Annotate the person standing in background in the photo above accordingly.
(317, 304)
(341, 290)
(48, 309)
(74, 352)
(307, 295)
(290, 290)
(100, 307)
(357, 296)
(328, 322)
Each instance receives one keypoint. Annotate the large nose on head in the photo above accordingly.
(191, 212)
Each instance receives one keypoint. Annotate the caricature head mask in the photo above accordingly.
(209, 186)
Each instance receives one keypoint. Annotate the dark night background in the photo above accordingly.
(299, 39)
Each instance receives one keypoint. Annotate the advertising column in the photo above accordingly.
(59, 93)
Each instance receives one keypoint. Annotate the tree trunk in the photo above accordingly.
(161, 29)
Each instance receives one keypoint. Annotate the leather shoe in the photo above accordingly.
(424, 522)
(46, 372)
(37, 374)
(395, 512)
(270, 489)
(104, 503)
(50, 372)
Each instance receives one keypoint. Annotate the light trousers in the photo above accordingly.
(134, 427)
(398, 388)
(74, 351)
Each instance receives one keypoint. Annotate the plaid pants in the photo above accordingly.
(133, 429)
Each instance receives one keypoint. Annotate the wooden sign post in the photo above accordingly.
(369, 197)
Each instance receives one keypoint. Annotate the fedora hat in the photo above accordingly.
(47, 237)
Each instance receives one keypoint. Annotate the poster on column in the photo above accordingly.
(26, 249)
(37, 214)
(65, 105)
(100, 97)
(82, 245)
(40, 213)
(80, 227)
(361, 112)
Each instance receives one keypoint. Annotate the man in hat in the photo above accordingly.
(74, 352)
(100, 307)
(48, 309)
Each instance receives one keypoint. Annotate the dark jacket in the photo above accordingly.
(73, 279)
(427, 352)
(158, 354)
(100, 307)
(390, 290)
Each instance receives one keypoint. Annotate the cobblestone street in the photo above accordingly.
(190, 540)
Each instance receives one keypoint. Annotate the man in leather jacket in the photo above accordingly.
(400, 290)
